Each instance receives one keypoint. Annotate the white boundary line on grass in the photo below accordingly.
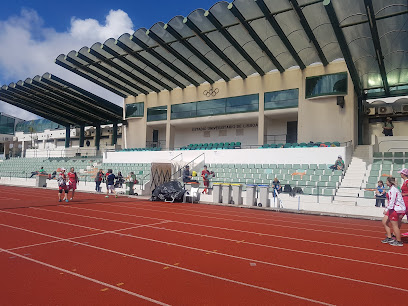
(155, 262)
(86, 278)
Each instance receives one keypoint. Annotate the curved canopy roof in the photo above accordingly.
(248, 37)
(60, 101)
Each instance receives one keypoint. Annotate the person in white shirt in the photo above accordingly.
(393, 213)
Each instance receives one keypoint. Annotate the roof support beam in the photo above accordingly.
(233, 42)
(177, 55)
(255, 37)
(377, 45)
(149, 64)
(92, 79)
(123, 70)
(69, 104)
(21, 93)
(100, 76)
(214, 47)
(343, 46)
(275, 25)
(84, 95)
(108, 72)
(197, 53)
(309, 32)
(39, 111)
(164, 60)
(124, 60)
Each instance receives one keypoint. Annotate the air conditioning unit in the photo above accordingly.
(370, 111)
(402, 108)
(385, 110)
(88, 133)
(120, 130)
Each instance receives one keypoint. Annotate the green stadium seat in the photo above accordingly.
(388, 154)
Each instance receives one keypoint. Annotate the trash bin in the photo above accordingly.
(237, 194)
(41, 181)
(264, 196)
(250, 195)
(226, 193)
(216, 193)
(129, 188)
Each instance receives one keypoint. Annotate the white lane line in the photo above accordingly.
(250, 243)
(237, 215)
(280, 248)
(86, 278)
(246, 259)
(84, 236)
(246, 213)
(252, 222)
(167, 264)
(249, 232)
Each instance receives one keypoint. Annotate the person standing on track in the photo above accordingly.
(73, 181)
(62, 185)
(110, 183)
(98, 180)
(393, 213)
(205, 174)
(404, 190)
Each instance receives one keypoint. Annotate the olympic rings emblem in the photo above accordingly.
(211, 92)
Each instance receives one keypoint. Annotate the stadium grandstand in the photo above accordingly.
(255, 90)
(243, 167)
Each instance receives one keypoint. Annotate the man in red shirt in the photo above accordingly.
(73, 180)
(206, 175)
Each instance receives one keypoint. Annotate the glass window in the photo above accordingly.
(185, 110)
(242, 104)
(157, 113)
(37, 126)
(282, 99)
(135, 110)
(324, 85)
(249, 103)
(6, 125)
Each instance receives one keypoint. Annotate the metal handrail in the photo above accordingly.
(178, 171)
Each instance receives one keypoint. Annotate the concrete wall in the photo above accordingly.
(243, 156)
(319, 119)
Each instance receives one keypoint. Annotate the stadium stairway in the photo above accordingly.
(350, 187)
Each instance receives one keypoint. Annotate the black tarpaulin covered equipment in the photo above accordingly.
(169, 192)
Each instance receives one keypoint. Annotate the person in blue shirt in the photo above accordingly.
(110, 184)
(380, 194)
(276, 186)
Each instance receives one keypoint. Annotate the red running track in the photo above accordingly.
(124, 251)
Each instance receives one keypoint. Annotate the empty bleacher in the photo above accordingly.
(314, 179)
(301, 145)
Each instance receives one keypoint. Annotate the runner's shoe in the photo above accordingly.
(106, 196)
(66, 200)
(387, 240)
(396, 243)
(404, 234)
(59, 200)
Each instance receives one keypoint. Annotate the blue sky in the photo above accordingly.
(34, 33)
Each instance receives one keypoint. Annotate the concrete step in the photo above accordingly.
(352, 184)
(346, 193)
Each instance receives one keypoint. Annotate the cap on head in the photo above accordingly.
(339, 156)
(63, 169)
(404, 171)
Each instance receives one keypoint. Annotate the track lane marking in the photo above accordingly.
(162, 264)
(247, 232)
(86, 278)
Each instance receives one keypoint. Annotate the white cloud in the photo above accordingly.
(27, 49)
